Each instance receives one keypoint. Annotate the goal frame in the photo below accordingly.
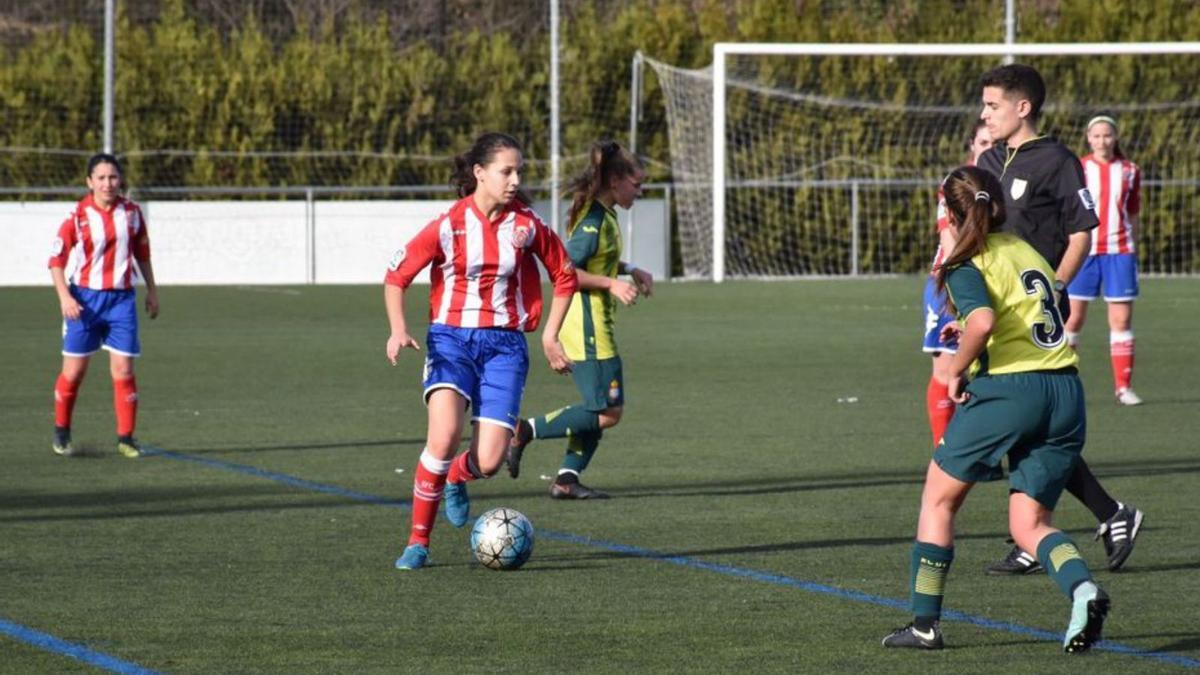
(721, 50)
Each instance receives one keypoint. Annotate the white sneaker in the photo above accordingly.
(1127, 397)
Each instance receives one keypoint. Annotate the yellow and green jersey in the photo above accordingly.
(1016, 283)
(594, 244)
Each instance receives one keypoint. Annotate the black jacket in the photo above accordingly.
(1045, 193)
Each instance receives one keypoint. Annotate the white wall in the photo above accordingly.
(274, 242)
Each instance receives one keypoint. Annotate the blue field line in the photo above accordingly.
(50, 643)
(278, 477)
(693, 563)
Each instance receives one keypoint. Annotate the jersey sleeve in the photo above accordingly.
(584, 241)
(410, 259)
(1133, 205)
(943, 220)
(64, 241)
(1077, 207)
(141, 242)
(550, 250)
(967, 290)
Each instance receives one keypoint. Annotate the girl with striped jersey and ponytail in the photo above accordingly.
(485, 294)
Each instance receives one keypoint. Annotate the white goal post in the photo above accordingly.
(721, 52)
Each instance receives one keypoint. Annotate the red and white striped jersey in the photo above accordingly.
(107, 241)
(484, 273)
(1117, 188)
(943, 221)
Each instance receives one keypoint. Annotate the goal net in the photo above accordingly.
(828, 156)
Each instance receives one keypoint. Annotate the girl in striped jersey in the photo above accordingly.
(613, 178)
(485, 293)
(107, 234)
(1111, 267)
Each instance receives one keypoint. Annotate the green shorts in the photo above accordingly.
(1037, 419)
(600, 383)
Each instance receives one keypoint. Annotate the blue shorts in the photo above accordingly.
(936, 318)
(486, 366)
(1116, 274)
(108, 319)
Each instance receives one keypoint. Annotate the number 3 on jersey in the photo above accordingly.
(1046, 334)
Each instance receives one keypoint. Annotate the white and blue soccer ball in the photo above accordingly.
(502, 539)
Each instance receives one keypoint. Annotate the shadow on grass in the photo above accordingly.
(166, 501)
(1150, 569)
(299, 446)
(760, 548)
(1187, 642)
(776, 484)
(185, 511)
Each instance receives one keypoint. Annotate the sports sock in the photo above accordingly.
(428, 484)
(463, 469)
(125, 402)
(1120, 349)
(572, 420)
(930, 564)
(1072, 340)
(1062, 561)
(580, 449)
(940, 408)
(64, 400)
(1083, 486)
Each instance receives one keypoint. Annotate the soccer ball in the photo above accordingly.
(502, 539)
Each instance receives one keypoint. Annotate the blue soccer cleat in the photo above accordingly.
(1088, 611)
(414, 557)
(458, 504)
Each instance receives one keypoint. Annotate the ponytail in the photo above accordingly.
(976, 200)
(481, 153)
(606, 160)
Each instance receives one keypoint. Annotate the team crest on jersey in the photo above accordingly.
(1085, 196)
(397, 258)
(1018, 187)
(57, 247)
(521, 236)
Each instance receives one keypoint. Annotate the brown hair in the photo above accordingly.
(976, 200)
(606, 161)
(482, 152)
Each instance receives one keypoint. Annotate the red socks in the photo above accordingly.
(463, 469)
(427, 494)
(1121, 351)
(940, 408)
(125, 400)
(64, 400)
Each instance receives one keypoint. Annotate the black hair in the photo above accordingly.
(1024, 81)
(104, 158)
(482, 151)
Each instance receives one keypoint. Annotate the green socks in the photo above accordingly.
(1062, 561)
(580, 450)
(930, 564)
(572, 420)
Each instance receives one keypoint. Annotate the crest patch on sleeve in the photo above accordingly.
(397, 258)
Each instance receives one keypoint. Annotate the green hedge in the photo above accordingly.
(369, 113)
